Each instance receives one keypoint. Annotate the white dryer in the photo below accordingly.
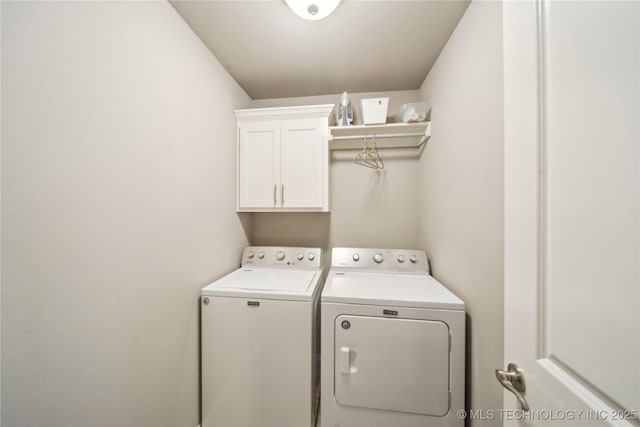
(393, 342)
(260, 341)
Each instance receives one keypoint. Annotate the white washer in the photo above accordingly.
(393, 342)
(260, 340)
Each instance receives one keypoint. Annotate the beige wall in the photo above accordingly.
(117, 207)
(369, 208)
(461, 188)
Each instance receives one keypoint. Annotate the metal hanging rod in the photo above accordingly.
(415, 136)
(378, 136)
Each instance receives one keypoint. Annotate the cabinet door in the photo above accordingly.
(303, 163)
(258, 163)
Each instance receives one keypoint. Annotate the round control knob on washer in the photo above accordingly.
(356, 257)
(260, 255)
(250, 254)
(311, 257)
(378, 258)
(400, 258)
(300, 257)
(413, 259)
(279, 255)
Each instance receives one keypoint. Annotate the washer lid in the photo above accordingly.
(270, 283)
(402, 290)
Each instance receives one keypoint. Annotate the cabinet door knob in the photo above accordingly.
(282, 195)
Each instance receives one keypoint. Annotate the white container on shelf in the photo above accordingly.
(412, 112)
(374, 110)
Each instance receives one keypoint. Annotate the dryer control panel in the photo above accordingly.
(383, 260)
(282, 256)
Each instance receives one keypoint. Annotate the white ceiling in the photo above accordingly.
(364, 46)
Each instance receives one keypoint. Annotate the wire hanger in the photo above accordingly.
(369, 155)
(374, 156)
(363, 156)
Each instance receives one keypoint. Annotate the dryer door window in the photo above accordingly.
(392, 364)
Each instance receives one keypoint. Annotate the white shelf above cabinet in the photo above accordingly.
(392, 135)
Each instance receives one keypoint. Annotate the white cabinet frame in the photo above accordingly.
(283, 159)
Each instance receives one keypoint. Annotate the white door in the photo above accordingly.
(302, 163)
(572, 218)
(258, 163)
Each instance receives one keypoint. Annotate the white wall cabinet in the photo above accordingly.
(283, 159)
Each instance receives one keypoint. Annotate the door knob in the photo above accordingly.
(513, 380)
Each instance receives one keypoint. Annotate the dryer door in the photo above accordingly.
(392, 364)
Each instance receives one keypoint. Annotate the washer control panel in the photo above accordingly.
(282, 256)
(392, 260)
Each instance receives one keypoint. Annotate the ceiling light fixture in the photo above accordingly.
(313, 10)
